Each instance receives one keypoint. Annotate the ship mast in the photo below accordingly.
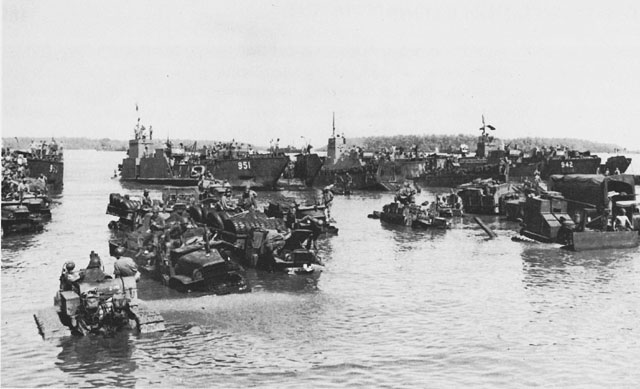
(484, 127)
(481, 150)
(334, 124)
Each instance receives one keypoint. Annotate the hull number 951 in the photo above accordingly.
(244, 165)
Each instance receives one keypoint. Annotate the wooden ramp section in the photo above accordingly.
(389, 185)
(49, 324)
(486, 228)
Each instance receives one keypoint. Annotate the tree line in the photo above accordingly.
(104, 144)
(69, 143)
(426, 143)
(448, 143)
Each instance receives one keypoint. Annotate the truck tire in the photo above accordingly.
(214, 220)
(196, 214)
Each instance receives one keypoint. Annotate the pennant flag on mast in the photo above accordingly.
(485, 126)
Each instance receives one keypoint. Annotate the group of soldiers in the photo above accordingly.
(44, 150)
(94, 272)
(618, 222)
(152, 227)
(228, 150)
(247, 201)
(407, 197)
(156, 233)
(16, 180)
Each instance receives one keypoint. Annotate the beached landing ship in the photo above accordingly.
(49, 165)
(617, 163)
(149, 162)
(97, 306)
(346, 169)
(450, 170)
(584, 212)
(305, 169)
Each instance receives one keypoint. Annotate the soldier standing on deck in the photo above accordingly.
(22, 189)
(327, 201)
(406, 195)
(146, 199)
(249, 199)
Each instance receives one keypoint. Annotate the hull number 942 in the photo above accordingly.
(244, 165)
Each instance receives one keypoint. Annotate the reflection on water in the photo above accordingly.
(393, 307)
(97, 360)
(547, 265)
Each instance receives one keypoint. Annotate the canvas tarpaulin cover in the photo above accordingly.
(591, 188)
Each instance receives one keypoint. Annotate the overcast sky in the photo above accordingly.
(256, 70)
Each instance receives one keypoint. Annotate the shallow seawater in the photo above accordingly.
(393, 308)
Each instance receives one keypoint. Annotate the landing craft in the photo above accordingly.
(156, 163)
(583, 212)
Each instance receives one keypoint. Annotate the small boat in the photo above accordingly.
(410, 215)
